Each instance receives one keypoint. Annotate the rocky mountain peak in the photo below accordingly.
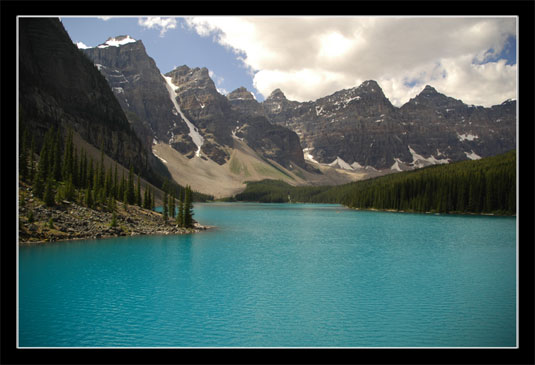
(192, 77)
(429, 96)
(429, 89)
(240, 93)
(370, 85)
(277, 94)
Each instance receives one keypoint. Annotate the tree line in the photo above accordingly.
(62, 172)
(482, 186)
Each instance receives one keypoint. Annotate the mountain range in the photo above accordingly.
(180, 126)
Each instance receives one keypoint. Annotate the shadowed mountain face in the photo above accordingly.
(59, 86)
(362, 128)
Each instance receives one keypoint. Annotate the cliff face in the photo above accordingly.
(220, 119)
(270, 140)
(59, 86)
(359, 127)
(141, 90)
(205, 108)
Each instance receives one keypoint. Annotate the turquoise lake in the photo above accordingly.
(279, 275)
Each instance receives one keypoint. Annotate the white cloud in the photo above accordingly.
(158, 22)
(311, 57)
(105, 18)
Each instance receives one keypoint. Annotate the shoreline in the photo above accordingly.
(198, 229)
(70, 221)
(381, 210)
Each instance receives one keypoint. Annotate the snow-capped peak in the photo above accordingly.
(82, 45)
(117, 41)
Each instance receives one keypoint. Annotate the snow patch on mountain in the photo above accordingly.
(472, 155)
(116, 42)
(420, 161)
(193, 131)
(308, 156)
(81, 45)
(154, 153)
(340, 163)
(466, 137)
(395, 166)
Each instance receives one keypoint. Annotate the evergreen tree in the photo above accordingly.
(102, 171)
(23, 155)
(75, 167)
(122, 188)
(67, 156)
(42, 171)
(69, 191)
(108, 186)
(172, 205)
(146, 202)
(115, 183)
(82, 176)
(56, 157)
(180, 215)
(130, 192)
(165, 212)
(113, 220)
(88, 199)
(188, 208)
(152, 199)
(49, 193)
(31, 169)
(90, 173)
(138, 192)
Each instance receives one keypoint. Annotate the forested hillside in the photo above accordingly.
(482, 186)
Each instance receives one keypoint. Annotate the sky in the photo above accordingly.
(473, 59)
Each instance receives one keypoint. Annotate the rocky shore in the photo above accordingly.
(70, 221)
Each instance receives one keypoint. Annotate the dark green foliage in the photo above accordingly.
(31, 169)
(56, 157)
(75, 168)
(88, 197)
(108, 184)
(82, 175)
(122, 188)
(130, 192)
(146, 202)
(23, 154)
(180, 214)
(68, 190)
(40, 176)
(483, 186)
(188, 208)
(138, 192)
(90, 173)
(68, 165)
(165, 212)
(172, 205)
(49, 194)
(113, 220)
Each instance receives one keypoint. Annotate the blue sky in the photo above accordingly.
(468, 58)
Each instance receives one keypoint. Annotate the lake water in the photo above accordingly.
(279, 275)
